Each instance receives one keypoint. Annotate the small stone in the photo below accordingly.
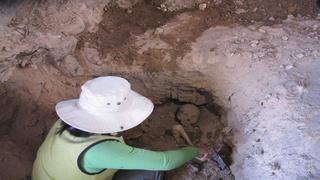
(99, 62)
(290, 16)
(74, 27)
(315, 27)
(129, 11)
(254, 43)
(202, 6)
(252, 28)
(217, 2)
(271, 18)
(194, 168)
(227, 130)
(285, 38)
(289, 66)
(163, 7)
(240, 11)
(262, 30)
(300, 55)
(91, 55)
(71, 66)
(158, 31)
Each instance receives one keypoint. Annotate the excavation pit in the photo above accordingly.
(192, 106)
(205, 124)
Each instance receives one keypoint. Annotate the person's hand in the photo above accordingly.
(203, 154)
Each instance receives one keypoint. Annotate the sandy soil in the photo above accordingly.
(250, 66)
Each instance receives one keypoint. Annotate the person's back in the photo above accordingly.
(61, 155)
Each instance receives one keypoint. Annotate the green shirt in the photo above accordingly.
(98, 157)
(116, 155)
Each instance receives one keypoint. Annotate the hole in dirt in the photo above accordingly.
(203, 123)
(182, 103)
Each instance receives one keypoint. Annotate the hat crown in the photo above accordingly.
(104, 94)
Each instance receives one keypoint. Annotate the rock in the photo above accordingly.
(129, 11)
(75, 26)
(289, 66)
(240, 11)
(163, 8)
(202, 6)
(91, 55)
(71, 66)
(188, 114)
(31, 58)
(254, 43)
(158, 31)
(217, 2)
(262, 30)
(300, 55)
(285, 38)
(271, 18)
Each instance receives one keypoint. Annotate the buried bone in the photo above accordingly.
(178, 132)
(188, 114)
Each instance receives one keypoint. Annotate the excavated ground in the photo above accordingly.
(165, 49)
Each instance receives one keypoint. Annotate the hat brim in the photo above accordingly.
(132, 113)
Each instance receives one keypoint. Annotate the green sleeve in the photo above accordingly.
(116, 155)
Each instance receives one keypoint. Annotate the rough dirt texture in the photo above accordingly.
(253, 64)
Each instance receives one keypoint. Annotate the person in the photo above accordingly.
(83, 144)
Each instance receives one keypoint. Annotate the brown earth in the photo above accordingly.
(40, 78)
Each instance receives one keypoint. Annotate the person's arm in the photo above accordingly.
(116, 155)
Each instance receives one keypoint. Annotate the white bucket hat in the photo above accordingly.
(106, 105)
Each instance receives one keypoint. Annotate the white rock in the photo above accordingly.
(285, 38)
(262, 30)
(217, 2)
(289, 66)
(254, 43)
(300, 55)
(271, 18)
(202, 6)
(290, 16)
(158, 31)
(163, 7)
(240, 11)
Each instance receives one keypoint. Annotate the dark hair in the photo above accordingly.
(72, 130)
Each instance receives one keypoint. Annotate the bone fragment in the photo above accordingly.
(178, 130)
